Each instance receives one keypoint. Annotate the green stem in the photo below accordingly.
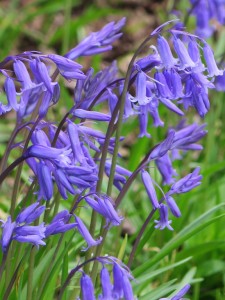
(19, 171)
(30, 274)
(137, 240)
(7, 150)
(13, 278)
(4, 258)
(67, 18)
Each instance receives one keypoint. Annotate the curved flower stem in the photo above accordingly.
(137, 240)
(71, 274)
(10, 168)
(8, 148)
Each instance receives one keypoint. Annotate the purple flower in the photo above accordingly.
(171, 106)
(31, 230)
(162, 148)
(67, 68)
(105, 207)
(75, 143)
(22, 74)
(7, 233)
(187, 183)
(210, 61)
(146, 178)
(87, 287)
(143, 121)
(91, 115)
(179, 294)
(117, 282)
(10, 91)
(162, 86)
(173, 206)
(33, 239)
(182, 52)
(174, 82)
(98, 42)
(59, 224)
(45, 181)
(30, 214)
(220, 82)
(30, 234)
(163, 221)
(106, 285)
(86, 235)
(185, 139)
(141, 84)
(165, 168)
(165, 53)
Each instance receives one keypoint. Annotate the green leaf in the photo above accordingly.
(186, 233)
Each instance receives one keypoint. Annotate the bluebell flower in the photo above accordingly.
(117, 282)
(173, 206)
(193, 50)
(44, 176)
(40, 137)
(165, 53)
(210, 61)
(98, 42)
(21, 231)
(112, 100)
(91, 115)
(146, 178)
(59, 224)
(174, 82)
(7, 233)
(30, 213)
(163, 221)
(75, 143)
(162, 148)
(68, 68)
(187, 183)
(179, 294)
(187, 137)
(86, 235)
(153, 110)
(106, 285)
(119, 177)
(162, 86)
(87, 287)
(165, 168)
(10, 91)
(182, 52)
(30, 234)
(121, 283)
(104, 206)
(205, 11)
(143, 121)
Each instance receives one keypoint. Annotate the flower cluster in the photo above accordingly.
(207, 11)
(73, 156)
(121, 287)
